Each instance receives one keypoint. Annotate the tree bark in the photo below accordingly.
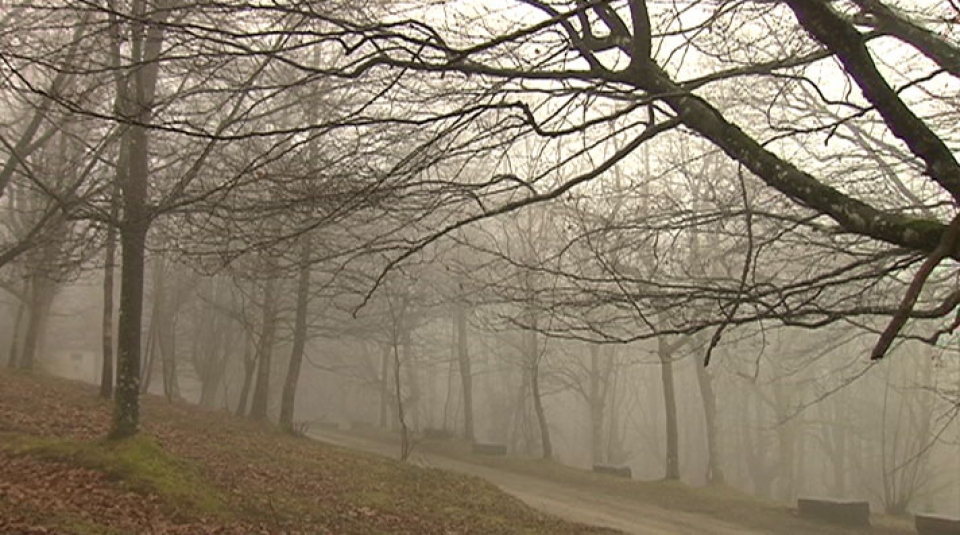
(299, 339)
(126, 417)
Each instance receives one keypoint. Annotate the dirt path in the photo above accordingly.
(566, 502)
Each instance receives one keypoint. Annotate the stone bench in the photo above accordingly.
(616, 471)
(843, 512)
(936, 525)
(481, 448)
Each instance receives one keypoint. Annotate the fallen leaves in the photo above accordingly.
(273, 483)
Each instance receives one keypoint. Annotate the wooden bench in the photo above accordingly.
(481, 448)
(936, 525)
(843, 512)
(616, 471)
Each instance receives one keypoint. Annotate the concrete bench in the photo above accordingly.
(936, 525)
(842, 512)
(616, 471)
(481, 448)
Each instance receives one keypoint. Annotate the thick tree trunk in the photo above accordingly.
(135, 95)
(261, 392)
(299, 340)
(106, 367)
(672, 465)
(126, 417)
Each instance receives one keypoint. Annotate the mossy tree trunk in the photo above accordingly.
(135, 94)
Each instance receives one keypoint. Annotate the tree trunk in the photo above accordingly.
(595, 399)
(412, 408)
(398, 388)
(546, 447)
(670, 411)
(41, 297)
(261, 392)
(12, 360)
(520, 437)
(299, 340)
(249, 367)
(167, 340)
(708, 397)
(146, 371)
(466, 375)
(214, 359)
(615, 448)
(126, 417)
(135, 103)
(385, 387)
(106, 367)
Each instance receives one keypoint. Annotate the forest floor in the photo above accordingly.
(195, 471)
(632, 506)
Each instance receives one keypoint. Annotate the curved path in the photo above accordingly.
(571, 503)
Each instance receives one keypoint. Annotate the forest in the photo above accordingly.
(711, 241)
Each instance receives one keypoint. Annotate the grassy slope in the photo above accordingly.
(194, 471)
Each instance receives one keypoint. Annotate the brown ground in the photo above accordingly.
(249, 478)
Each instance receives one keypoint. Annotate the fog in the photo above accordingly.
(713, 242)
(798, 412)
